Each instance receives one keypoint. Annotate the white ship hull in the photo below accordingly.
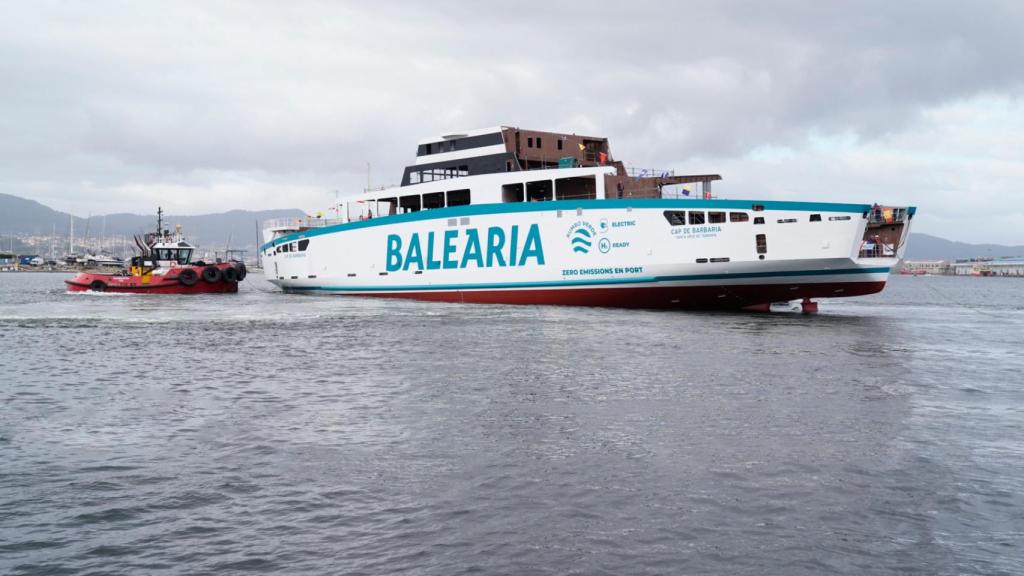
(590, 252)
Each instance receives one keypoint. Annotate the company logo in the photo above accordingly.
(581, 237)
(465, 248)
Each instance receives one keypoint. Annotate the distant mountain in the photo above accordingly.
(210, 231)
(928, 247)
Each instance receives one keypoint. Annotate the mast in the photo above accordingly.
(259, 252)
(159, 221)
(71, 237)
(85, 241)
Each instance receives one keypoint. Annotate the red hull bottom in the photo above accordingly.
(168, 288)
(660, 297)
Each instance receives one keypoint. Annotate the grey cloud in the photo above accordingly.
(110, 92)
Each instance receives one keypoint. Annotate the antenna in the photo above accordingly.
(159, 221)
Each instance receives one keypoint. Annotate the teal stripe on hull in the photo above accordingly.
(570, 205)
(594, 282)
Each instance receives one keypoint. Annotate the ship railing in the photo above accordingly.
(876, 249)
(304, 223)
(637, 172)
(886, 215)
(670, 191)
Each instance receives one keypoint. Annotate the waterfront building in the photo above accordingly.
(924, 267)
(1008, 266)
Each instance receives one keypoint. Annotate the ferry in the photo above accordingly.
(511, 216)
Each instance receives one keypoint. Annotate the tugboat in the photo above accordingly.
(164, 266)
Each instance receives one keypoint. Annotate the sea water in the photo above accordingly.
(264, 433)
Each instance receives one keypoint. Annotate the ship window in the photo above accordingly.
(512, 192)
(433, 200)
(580, 188)
(716, 217)
(675, 217)
(834, 218)
(696, 217)
(387, 206)
(409, 203)
(759, 220)
(414, 177)
(786, 220)
(815, 217)
(762, 244)
(720, 260)
(429, 151)
(458, 197)
(559, 143)
(508, 166)
(184, 255)
(702, 260)
(538, 191)
(303, 244)
(464, 170)
(738, 217)
(529, 142)
(283, 248)
(757, 207)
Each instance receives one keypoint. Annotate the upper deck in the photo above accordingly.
(502, 165)
(505, 165)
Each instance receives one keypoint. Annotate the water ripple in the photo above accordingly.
(265, 433)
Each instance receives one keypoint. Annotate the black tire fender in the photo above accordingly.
(98, 286)
(230, 274)
(212, 274)
(242, 272)
(188, 277)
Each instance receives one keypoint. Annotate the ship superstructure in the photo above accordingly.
(506, 215)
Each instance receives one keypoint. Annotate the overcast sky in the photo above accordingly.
(210, 106)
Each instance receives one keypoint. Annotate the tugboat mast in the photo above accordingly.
(159, 222)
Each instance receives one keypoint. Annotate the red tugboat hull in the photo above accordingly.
(183, 280)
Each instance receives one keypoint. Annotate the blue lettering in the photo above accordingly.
(449, 249)
(431, 263)
(495, 241)
(472, 251)
(532, 247)
(394, 260)
(514, 238)
(414, 254)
